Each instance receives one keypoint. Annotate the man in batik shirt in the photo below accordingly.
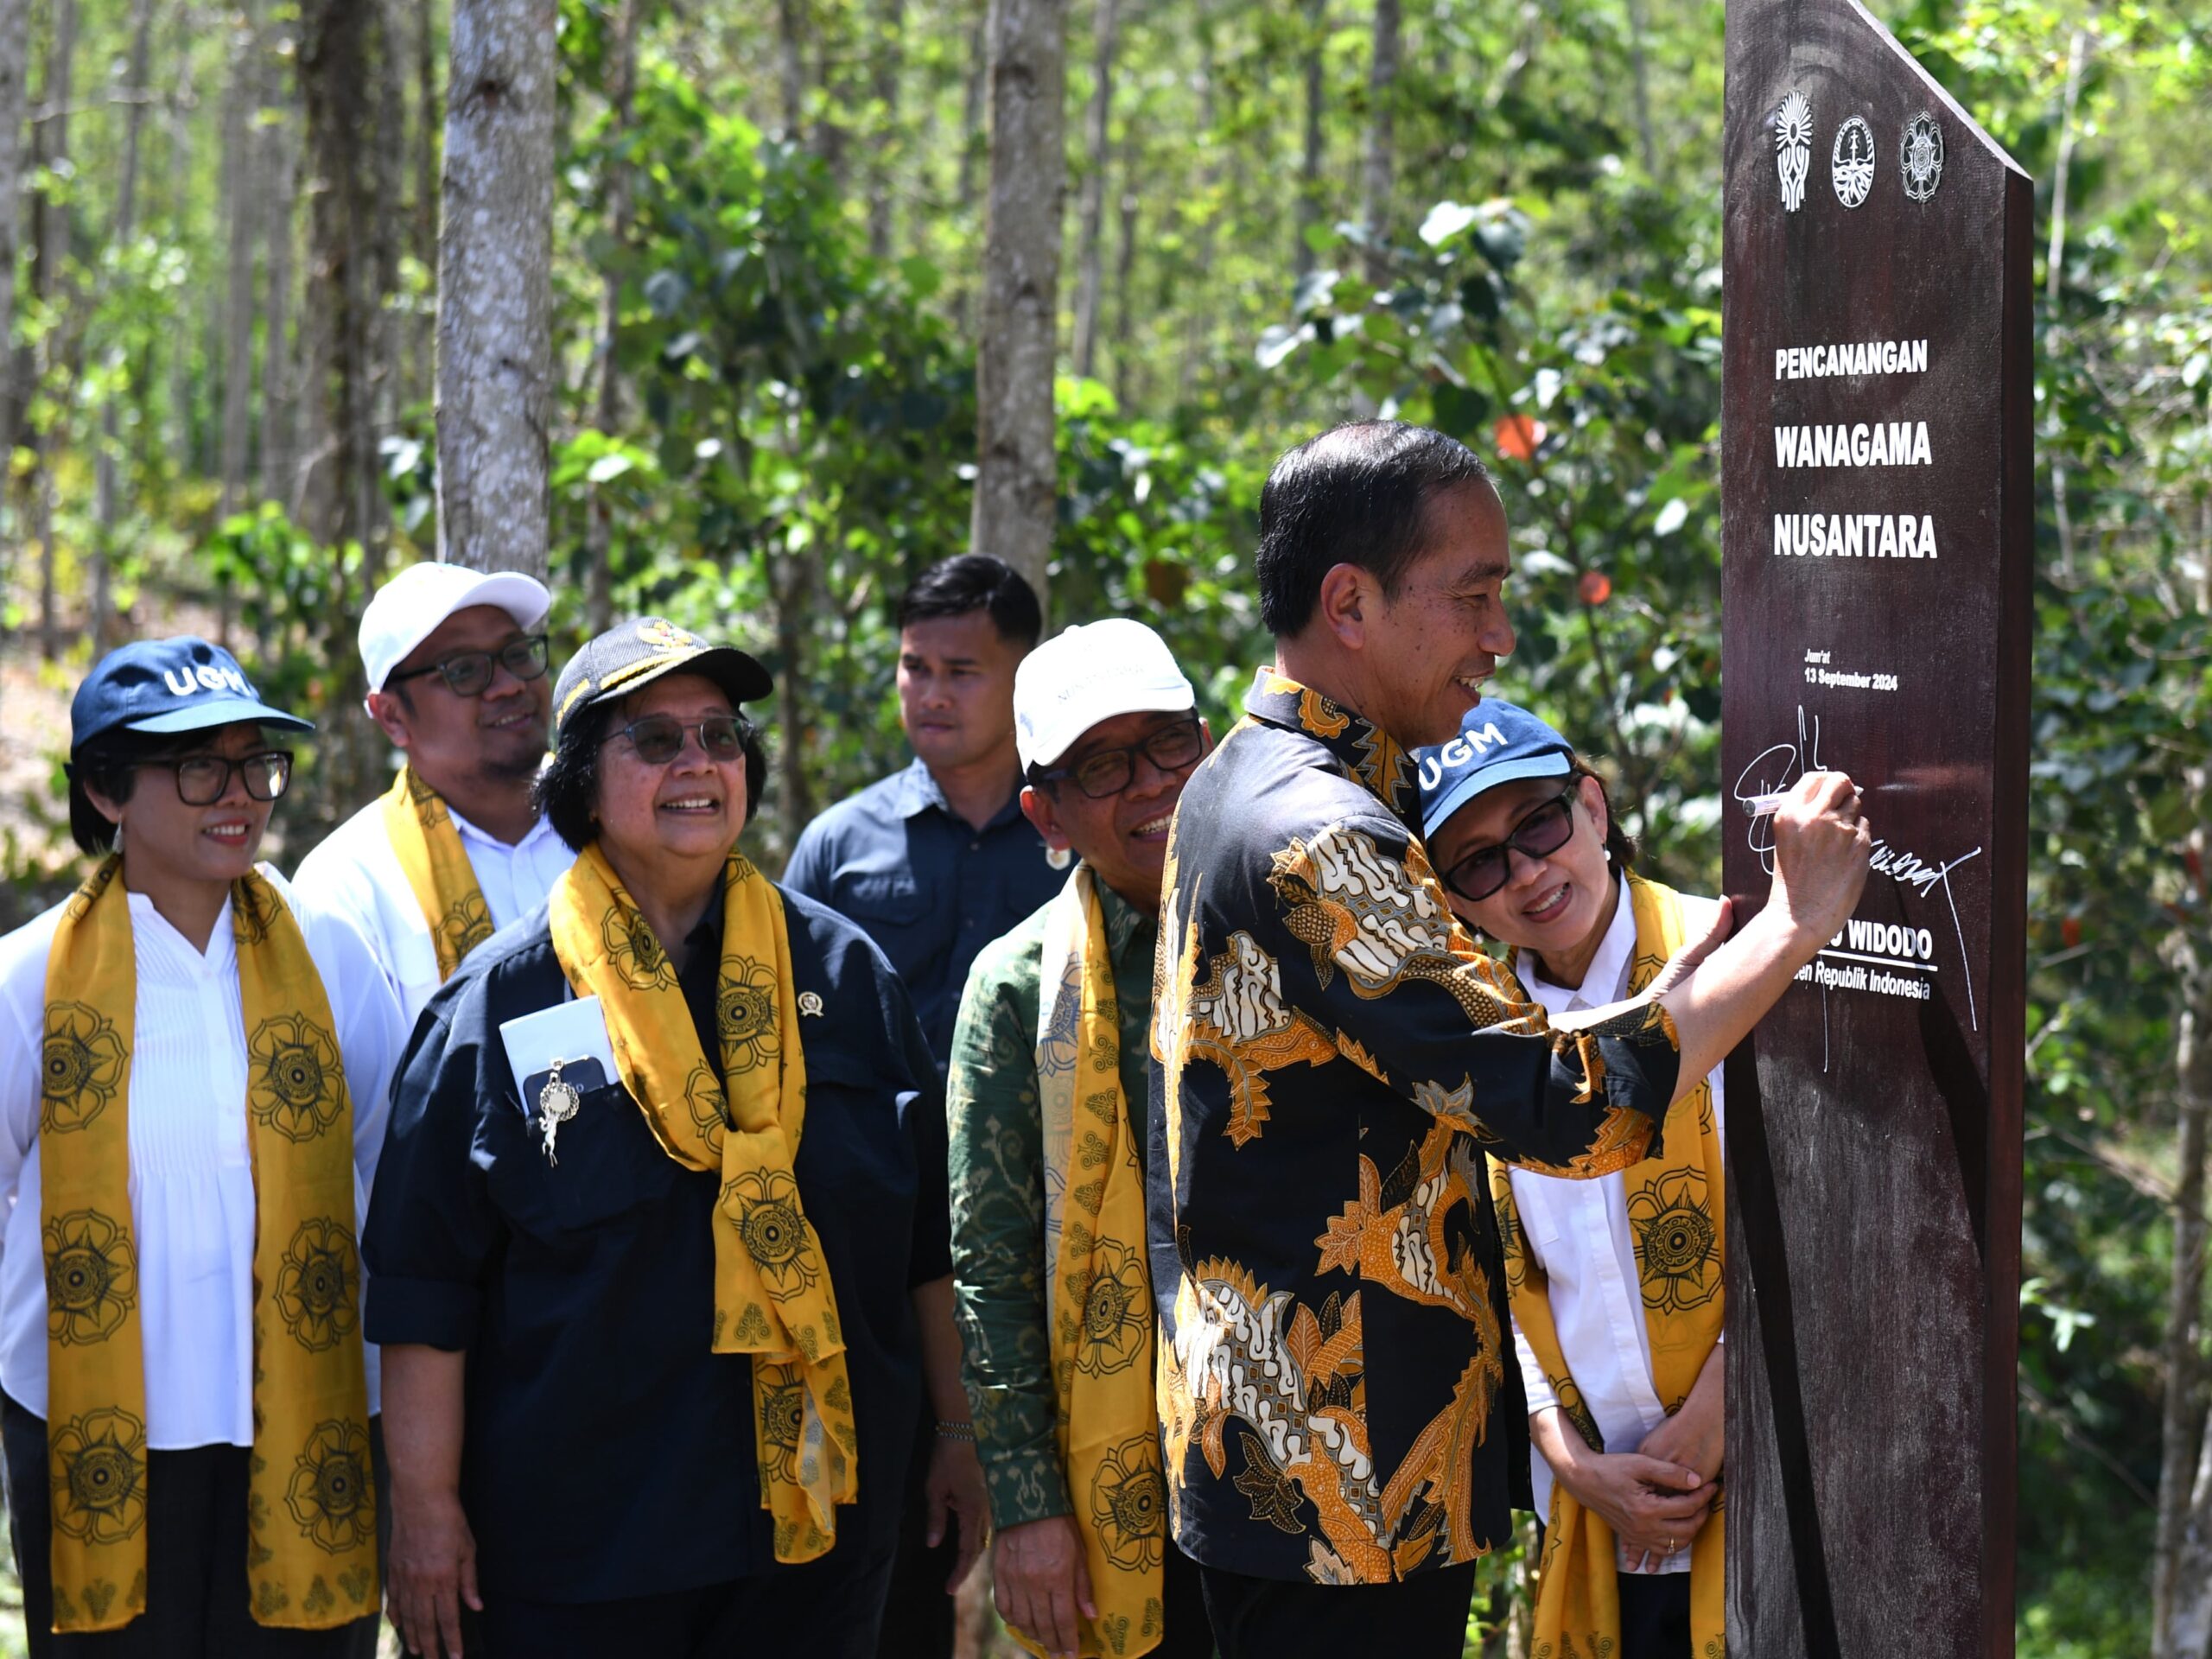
(1045, 1109)
(1333, 1056)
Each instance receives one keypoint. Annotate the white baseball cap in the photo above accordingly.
(408, 609)
(1089, 674)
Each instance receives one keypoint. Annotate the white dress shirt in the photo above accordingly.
(1578, 1232)
(191, 1195)
(356, 872)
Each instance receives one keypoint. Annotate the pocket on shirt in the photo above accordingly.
(892, 897)
(610, 1164)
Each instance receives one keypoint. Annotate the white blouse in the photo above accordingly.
(191, 1197)
(355, 871)
(1578, 1232)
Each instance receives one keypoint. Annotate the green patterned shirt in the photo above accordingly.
(998, 1195)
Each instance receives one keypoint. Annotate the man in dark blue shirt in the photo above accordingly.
(935, 862)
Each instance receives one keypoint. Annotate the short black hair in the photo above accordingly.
(975, 581)
(1357, 494)
(110, 763)
(566, 793)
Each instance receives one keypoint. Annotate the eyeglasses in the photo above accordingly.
(1542, 831)
(469, 673)
(203, 779)
(658, 738)
(1111, 770)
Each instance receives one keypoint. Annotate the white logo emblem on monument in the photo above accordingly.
(1851, 162)
(1793, 149)
(1921, 156)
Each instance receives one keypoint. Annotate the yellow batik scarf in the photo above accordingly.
(311, 1552)
(1098, 1295)
(772, 1295)
(1677, 1212)
(430, 851)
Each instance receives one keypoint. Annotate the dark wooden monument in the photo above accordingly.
(1876, 487)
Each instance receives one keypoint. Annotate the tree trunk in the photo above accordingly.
(1381, 137)
(2180, 1600)
(791, 67)
(1196, 318)
(1124, 270)
(50, 222)
(1638, 31)
(14, 109)
(599, 574)
(2180, 1560)
(1099, 140)
(972, 129)
(280, 370)
(106, 488)
(971, 101)
(179, 109)
(889, 46)
(1016, 477)
(2054, 271)
(423, 219)
(1309, 163)
(246, 200)
(337, 42)
(495, 294)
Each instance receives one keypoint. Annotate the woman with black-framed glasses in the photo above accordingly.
(188, 1414)
(1616, 1283)
(660, 1249)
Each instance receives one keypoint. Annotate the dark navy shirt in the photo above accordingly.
(607, 1452)
(928, 886)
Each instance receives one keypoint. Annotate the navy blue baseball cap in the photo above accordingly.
(1497, 744)
(168, 685)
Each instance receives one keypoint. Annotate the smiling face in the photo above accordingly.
(956, 689)
(452, 741)
(1557, 905)
(1124, 837)
(681, 815)
(166, 843)
(1429, 646)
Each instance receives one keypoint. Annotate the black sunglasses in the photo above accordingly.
(658, 738)
(469, 673)
(1111, 770)
(1542, 830)
(203, 779)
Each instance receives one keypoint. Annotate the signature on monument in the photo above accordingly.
(1777, 767)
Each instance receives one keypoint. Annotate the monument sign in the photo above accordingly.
(1877, 489)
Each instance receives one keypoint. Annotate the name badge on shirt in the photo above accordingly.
(570, 1035)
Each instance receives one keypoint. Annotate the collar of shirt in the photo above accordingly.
(1606, 979)
(1126, 924)
(920, 791)
(1368, 753)
(538, 830)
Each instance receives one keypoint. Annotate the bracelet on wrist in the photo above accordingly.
(955, 1431)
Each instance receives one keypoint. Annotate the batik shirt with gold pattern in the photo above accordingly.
(1334, 1056)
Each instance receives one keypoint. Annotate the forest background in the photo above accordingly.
(769, 278)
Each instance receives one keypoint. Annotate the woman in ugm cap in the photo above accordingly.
(187, 1135)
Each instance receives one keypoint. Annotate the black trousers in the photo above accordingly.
(917, 1612)
(826, 1609)
(196, 1595)
(1654, 1615)
(1421, 1617)
(1183, 1605)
